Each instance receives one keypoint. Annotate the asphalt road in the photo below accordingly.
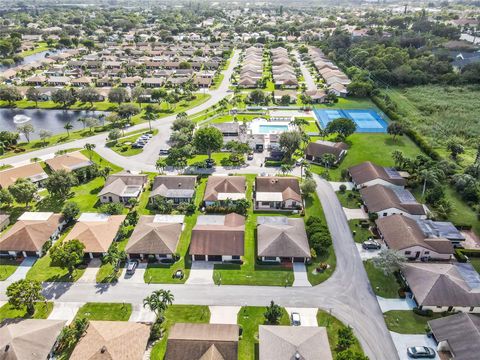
(307, 76)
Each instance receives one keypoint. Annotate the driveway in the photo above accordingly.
(141, 314)
(352, 214)
(22, 269)
(367, 254)
(300, 275)
(137, 277)
(90, 274)
(224, 314)
(336, 185)
(396, 304)
(65, 311)
(403, 341)
(201, 273)
(308, 316)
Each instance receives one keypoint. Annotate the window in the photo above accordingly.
(270, 258)
(408, 252)
(235, 257)
(385, 214)
(427, 252)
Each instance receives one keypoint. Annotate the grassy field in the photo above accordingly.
(249, 318)
(361, 234)
(407, 322)
(7, 268)
(383, 285)
(333, 325)
(349, 199)
(180, 314)
(42, 310)
(376, 148)
(218, 157)
(441, 113)
(105, 311)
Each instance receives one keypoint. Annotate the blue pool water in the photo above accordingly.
(367, 120)
(268, 129)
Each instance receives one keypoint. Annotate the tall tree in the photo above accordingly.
(289, 142)
(26, 130)
(68, 126)
(25, 294)
(208, 139)
(342, 126)
(59, 183)
(118, 95)
(68, 255)
(273, 313)
(9, 94)
(33, 94)
(44, 134)
(159, 301)
(23, 190)
(388, 261)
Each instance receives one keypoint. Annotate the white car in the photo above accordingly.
(295, 318)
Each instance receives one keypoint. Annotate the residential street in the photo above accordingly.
(307, 76)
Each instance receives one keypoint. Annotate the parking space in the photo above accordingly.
(136, 277)
(308, 316)
(404, 341)
(65, 311)
(201, 273)
(396, 304)
(223, 314)
(22, 269)
(300, 275)
(353, 214)
(367, 254)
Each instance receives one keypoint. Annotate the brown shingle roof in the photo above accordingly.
(174, 186)
(379, 197)
(68, 162)
(288, 186)
(116, 184)
(319, 148)
(202, 342)
(219, 239)
(151, 237)
(30, 171)
(112, 340)
(401, 232)
(29, 339)
(30, 235)
(97, 236)
(368, 171)
(224, 184)
(282, 237)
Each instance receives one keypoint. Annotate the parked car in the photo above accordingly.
(421, 352)
(250, 155)
(371, 245)
(209, 163)
(295, 318)
(131, 267)
(164, 152)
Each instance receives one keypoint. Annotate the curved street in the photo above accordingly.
(347, 294)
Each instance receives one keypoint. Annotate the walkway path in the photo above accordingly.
(22, 269)
(224, 314)
(65, 311)
(300, 275)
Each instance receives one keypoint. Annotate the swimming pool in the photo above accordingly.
(367, 120)
(269, 129)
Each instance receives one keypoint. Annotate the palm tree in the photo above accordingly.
(160, 165)
(68, 126)
(158, 301)
(286, 168)
(89, 147)
(328, 160)
(83, 121)
(427, 175)
(398, 158)
(150, 116)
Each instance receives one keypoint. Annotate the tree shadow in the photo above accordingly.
(394, 142)
(54, 290)
(50, 203)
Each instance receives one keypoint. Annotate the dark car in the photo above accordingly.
(131, 267)
(371, 245)
(421, 352)
(164, 152)
(209, 163)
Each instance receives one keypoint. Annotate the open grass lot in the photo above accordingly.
(349, 199)
(332, 324)
(162, 273)
(407, 322)
(105, 311)
(361, 234)
(180, 314)
(249, 318)
(7, 268)
(42, 310)
(383, 285)
(441, 113)
(376, 148)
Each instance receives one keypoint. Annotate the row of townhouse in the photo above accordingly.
(252, 67)
(335, 78)
(283, 72)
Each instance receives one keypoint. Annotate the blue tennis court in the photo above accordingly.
(367, 120)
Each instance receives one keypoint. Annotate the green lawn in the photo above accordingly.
(383, 285)
(376, 148)
(42, 310)
(407, 322)
(7, 268)
(43, 270)
(475, 263)
(349, 103)
(124, 145)
(359, 233)
(105, 311)
(349, 199)
(332, 324)
(180, 314)
(106, 272)
(162, 273)
(218, 157)
(250, 318)
(39, 47)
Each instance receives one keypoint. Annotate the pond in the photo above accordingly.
(30, 59)
(52, 120)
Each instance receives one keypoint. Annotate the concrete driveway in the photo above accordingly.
(90, 274)
(367, 254)
(22, 269)
(137, 277)
(223, 314)
(396, 304)
(65, 311)
(404, 341)
(353, 214)
(336, 185)
(308, 316)
(141, 314)
(201, 273)
(300, 275)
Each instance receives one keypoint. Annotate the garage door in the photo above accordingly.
(298, 259)
(214, 257)
(199, 257)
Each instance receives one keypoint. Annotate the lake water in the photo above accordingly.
(30, 59)
(52, 120)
